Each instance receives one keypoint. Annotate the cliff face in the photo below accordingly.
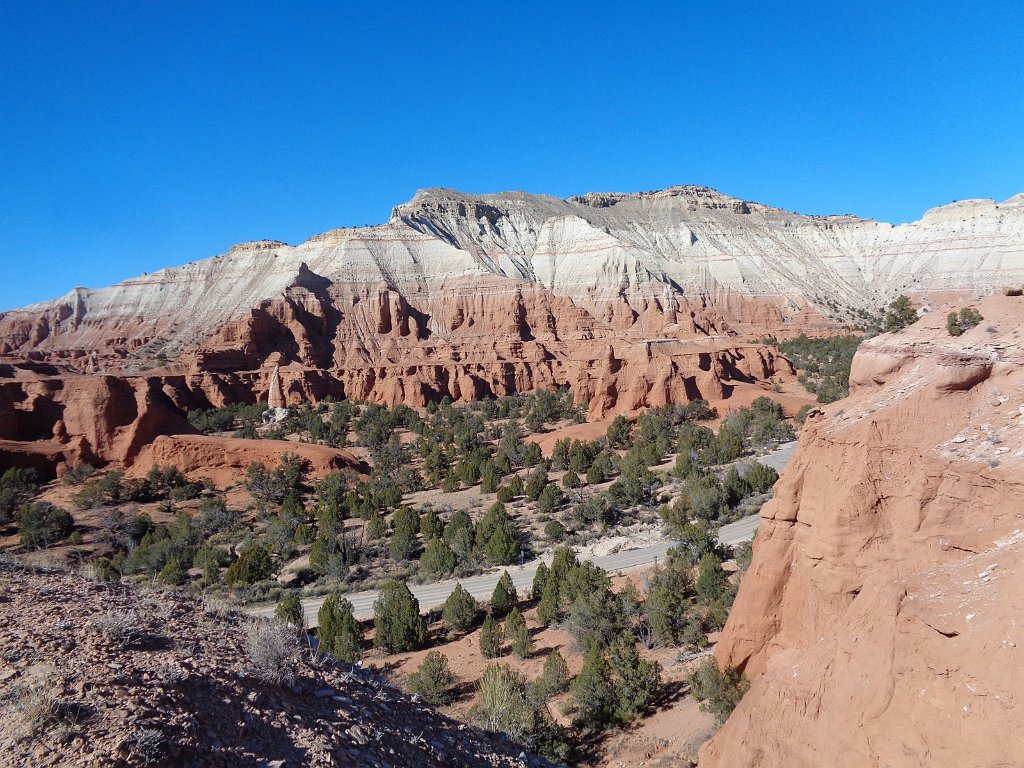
(880, 620)
(451, 274)
(631, 300)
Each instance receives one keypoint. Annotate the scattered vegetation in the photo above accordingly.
(899, 315)
(824, 364)
(957, 324)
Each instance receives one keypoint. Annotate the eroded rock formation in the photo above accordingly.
(880, 621)
(631, 300)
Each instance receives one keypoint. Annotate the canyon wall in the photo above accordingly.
(880, 621)
(630, 299)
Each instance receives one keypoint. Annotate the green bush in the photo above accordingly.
(289, 611)
(460, 611)
(504, 596)
(899, 315)
(434, 680)
(17, 486)
(554, 678)
(967, 319)
(42, 524)
(720, 691)
(338, 631)
(491, 638)
(397, 623)
(519, 634)
(438, 560)
(252, 566)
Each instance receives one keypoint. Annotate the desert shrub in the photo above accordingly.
(899, 315)
(272, 652)
(504, 704)
(148, 746)
(289, 611)
(17, 486)
(554, 678)
(967, 319)
(42, 524)
(554, 530)
(720, 691)
(337, 630)
(100, 569)
(433, 681)
(274, 486)
(214, 516)
(174, 572)
(491, 638)
(121, 627)
(33, 709)
(253, 565)
(397, 623)
(438, 560)
(504, 596)
(460, 610)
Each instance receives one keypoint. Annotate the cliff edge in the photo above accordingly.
(880, 621)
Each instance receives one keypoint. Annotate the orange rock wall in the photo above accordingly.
(880, 620)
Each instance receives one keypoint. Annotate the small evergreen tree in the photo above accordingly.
(252, 565)
(592, 690)
(719, 691)
(519, 634)
(900, 314)
(289, 611)
(502, 548)
(338, 631)
(504, 597)
(712, 580)
(460, 610)
(397, 623)
(490, 638)
(434, 679)
(540, 578)
(636, 680)
(554, 678)
(437, 560)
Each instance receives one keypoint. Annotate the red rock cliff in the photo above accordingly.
(881, 620)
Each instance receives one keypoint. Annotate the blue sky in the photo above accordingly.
(140, 135)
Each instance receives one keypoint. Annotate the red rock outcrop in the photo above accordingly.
(224, 460)
(880, 621)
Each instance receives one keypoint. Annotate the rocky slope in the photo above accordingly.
(94, 674)
(880, 620)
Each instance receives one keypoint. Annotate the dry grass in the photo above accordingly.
(273, 652)
(33, 709)
(123, 627)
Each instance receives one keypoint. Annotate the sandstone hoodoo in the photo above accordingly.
(632, 300)
(879, 623)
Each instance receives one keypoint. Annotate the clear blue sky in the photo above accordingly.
(135, 135)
